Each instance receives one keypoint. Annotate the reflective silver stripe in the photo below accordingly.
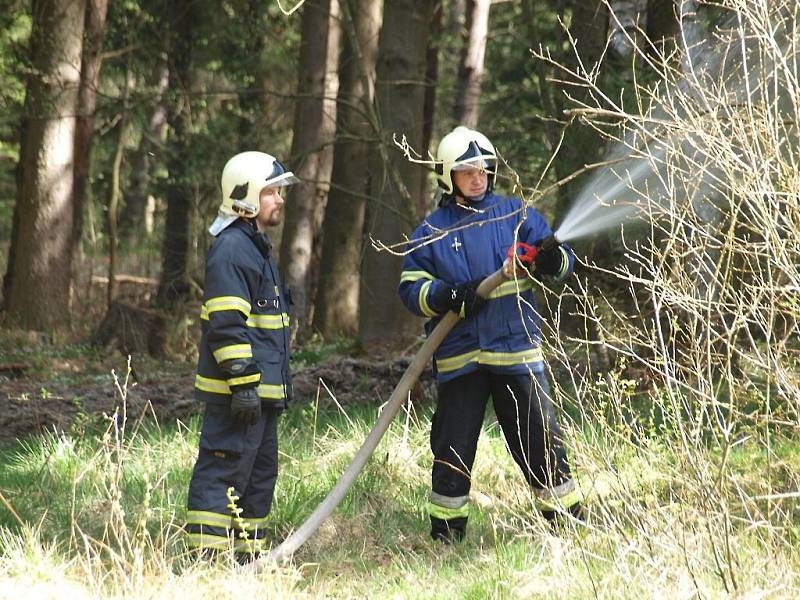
(449, 501)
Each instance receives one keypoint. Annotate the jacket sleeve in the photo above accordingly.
(418, 280)
(227, 306)
(535, 229)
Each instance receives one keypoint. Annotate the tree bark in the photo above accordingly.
(429, 110)
(95, 27)
(312, 149)
(173, 284)
(133, 221)
(336, 306)
(39, 293)
(470, 68)
(396, 182)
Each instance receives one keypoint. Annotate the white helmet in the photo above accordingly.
(464, 148)
(243, 178)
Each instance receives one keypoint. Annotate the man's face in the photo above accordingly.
(472, 181)
(271, 205)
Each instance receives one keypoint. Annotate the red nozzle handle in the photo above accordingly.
(528, 254)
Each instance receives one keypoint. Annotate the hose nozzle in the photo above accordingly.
(549, 242)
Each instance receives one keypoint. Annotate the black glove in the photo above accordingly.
(550, 261)
(245, 403)
(245, 406)
(461, 299)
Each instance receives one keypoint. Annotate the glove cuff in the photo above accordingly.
(241, 374)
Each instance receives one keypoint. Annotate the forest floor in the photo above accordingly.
(69, 392)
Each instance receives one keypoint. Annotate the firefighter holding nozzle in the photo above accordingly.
(494, 350)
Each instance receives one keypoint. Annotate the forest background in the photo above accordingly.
(674, 349)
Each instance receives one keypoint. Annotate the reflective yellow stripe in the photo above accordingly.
(244, 379)
(558, 498)
(252, 546)
(206, 540)
(268, 321)
(511, 358)
(233, 351)
(564, 263)
(423, 300)
(217, 386)
(453, 363)
(444, 512)
(415, 276)
(251, 523)
(510, 287)
(220, 386)
(274, 392)
(228, 303)
(456, 362)
(219, 542)
(212, 519)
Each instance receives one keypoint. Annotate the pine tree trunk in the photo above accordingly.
(336, 307)
(470, 68)
(95, 25)
(429, 111)
(40, 288)
(173, 285)
(133, 223)
(396, 183)
(312, 148)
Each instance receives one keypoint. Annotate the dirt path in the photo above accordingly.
(29, 406)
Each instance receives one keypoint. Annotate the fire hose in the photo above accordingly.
(285, 550)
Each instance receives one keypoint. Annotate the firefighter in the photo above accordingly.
(494, 350)
(243, 368)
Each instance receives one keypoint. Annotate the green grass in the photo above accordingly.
(100, 515)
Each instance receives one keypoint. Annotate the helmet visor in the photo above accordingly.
(280, 176)
(475, 157)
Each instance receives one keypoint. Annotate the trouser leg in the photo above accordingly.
(256, 502)
(220, 477)
(528, 420)
(454, 438)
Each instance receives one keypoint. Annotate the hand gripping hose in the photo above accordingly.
(284, 551)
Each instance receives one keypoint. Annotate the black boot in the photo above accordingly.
(448, 531)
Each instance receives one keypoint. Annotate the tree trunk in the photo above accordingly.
(173, 285)
(95, 26)
(336, 307)
(396, 183)
(470, 68)
(312, 149)
(429, 110)
(39, 294)
(133, 223)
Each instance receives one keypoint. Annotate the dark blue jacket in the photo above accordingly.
(244, 315)
(457, 244)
